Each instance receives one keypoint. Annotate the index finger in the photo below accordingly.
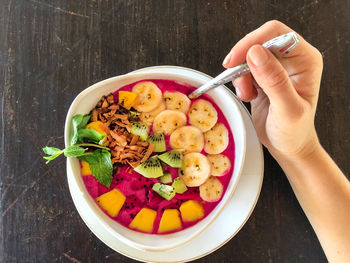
(264, 33)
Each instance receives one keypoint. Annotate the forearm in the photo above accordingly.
(324, 194)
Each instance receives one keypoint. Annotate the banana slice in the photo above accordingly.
(149, 96)
(188, 138)
(148, 117)
(211, 190)
(216, 139)
(203, 115)
(196, 169)
(169, 120)
(220, 164)
(176, 101)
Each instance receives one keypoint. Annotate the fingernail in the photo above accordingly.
(226, 60)
(238, 93)
(257, 55)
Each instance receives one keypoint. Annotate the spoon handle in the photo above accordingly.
(278, 46)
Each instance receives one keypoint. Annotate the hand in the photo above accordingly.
(283, 93)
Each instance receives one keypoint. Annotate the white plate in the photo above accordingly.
(226, 225)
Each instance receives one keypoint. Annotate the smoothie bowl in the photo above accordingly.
(161, 166)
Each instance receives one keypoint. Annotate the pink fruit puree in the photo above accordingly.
(138, 189)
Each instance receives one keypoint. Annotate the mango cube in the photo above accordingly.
(96, 126)
(127, 98)
(85, 168)
(111, 202)
(191, 211)
(144, 220)
(170, 221)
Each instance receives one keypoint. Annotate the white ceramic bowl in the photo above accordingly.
(87, 100)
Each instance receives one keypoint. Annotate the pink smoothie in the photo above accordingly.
(138, 189)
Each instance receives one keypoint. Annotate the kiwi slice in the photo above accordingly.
(134, 114)
(173, 158)
(151, 168)
(165, 191)
(140, 129)
(166, 178)
(158, 141)
(179, 186)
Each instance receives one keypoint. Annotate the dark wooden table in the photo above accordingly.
(51, 50)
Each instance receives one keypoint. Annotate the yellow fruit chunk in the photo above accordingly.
(85, 168)
(170, 221)
(96, 126)
(112, 202)
(127, 98)
(144, 220)
(191, 211)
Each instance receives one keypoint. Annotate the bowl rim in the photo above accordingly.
(82, 188)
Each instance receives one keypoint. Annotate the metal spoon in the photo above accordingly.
(278, 46)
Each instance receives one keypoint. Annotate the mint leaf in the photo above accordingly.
(93, 145)
(70, 151)
(74, 151)
(50, 158)
(101, 142)
(100, 160)
(79, 121)
(76, 120)
(84, 121)
(90, 135)
(100, 165)
(51, 150)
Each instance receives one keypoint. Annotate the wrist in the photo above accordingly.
(295, 166)
(306, 153)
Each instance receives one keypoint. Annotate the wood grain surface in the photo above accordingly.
(51, 50)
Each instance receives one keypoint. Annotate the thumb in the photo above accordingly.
(272, 78)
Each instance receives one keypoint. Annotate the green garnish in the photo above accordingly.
(79, 121)
(70, 151)
(100, 165)
(91, 135)
(99, 160)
